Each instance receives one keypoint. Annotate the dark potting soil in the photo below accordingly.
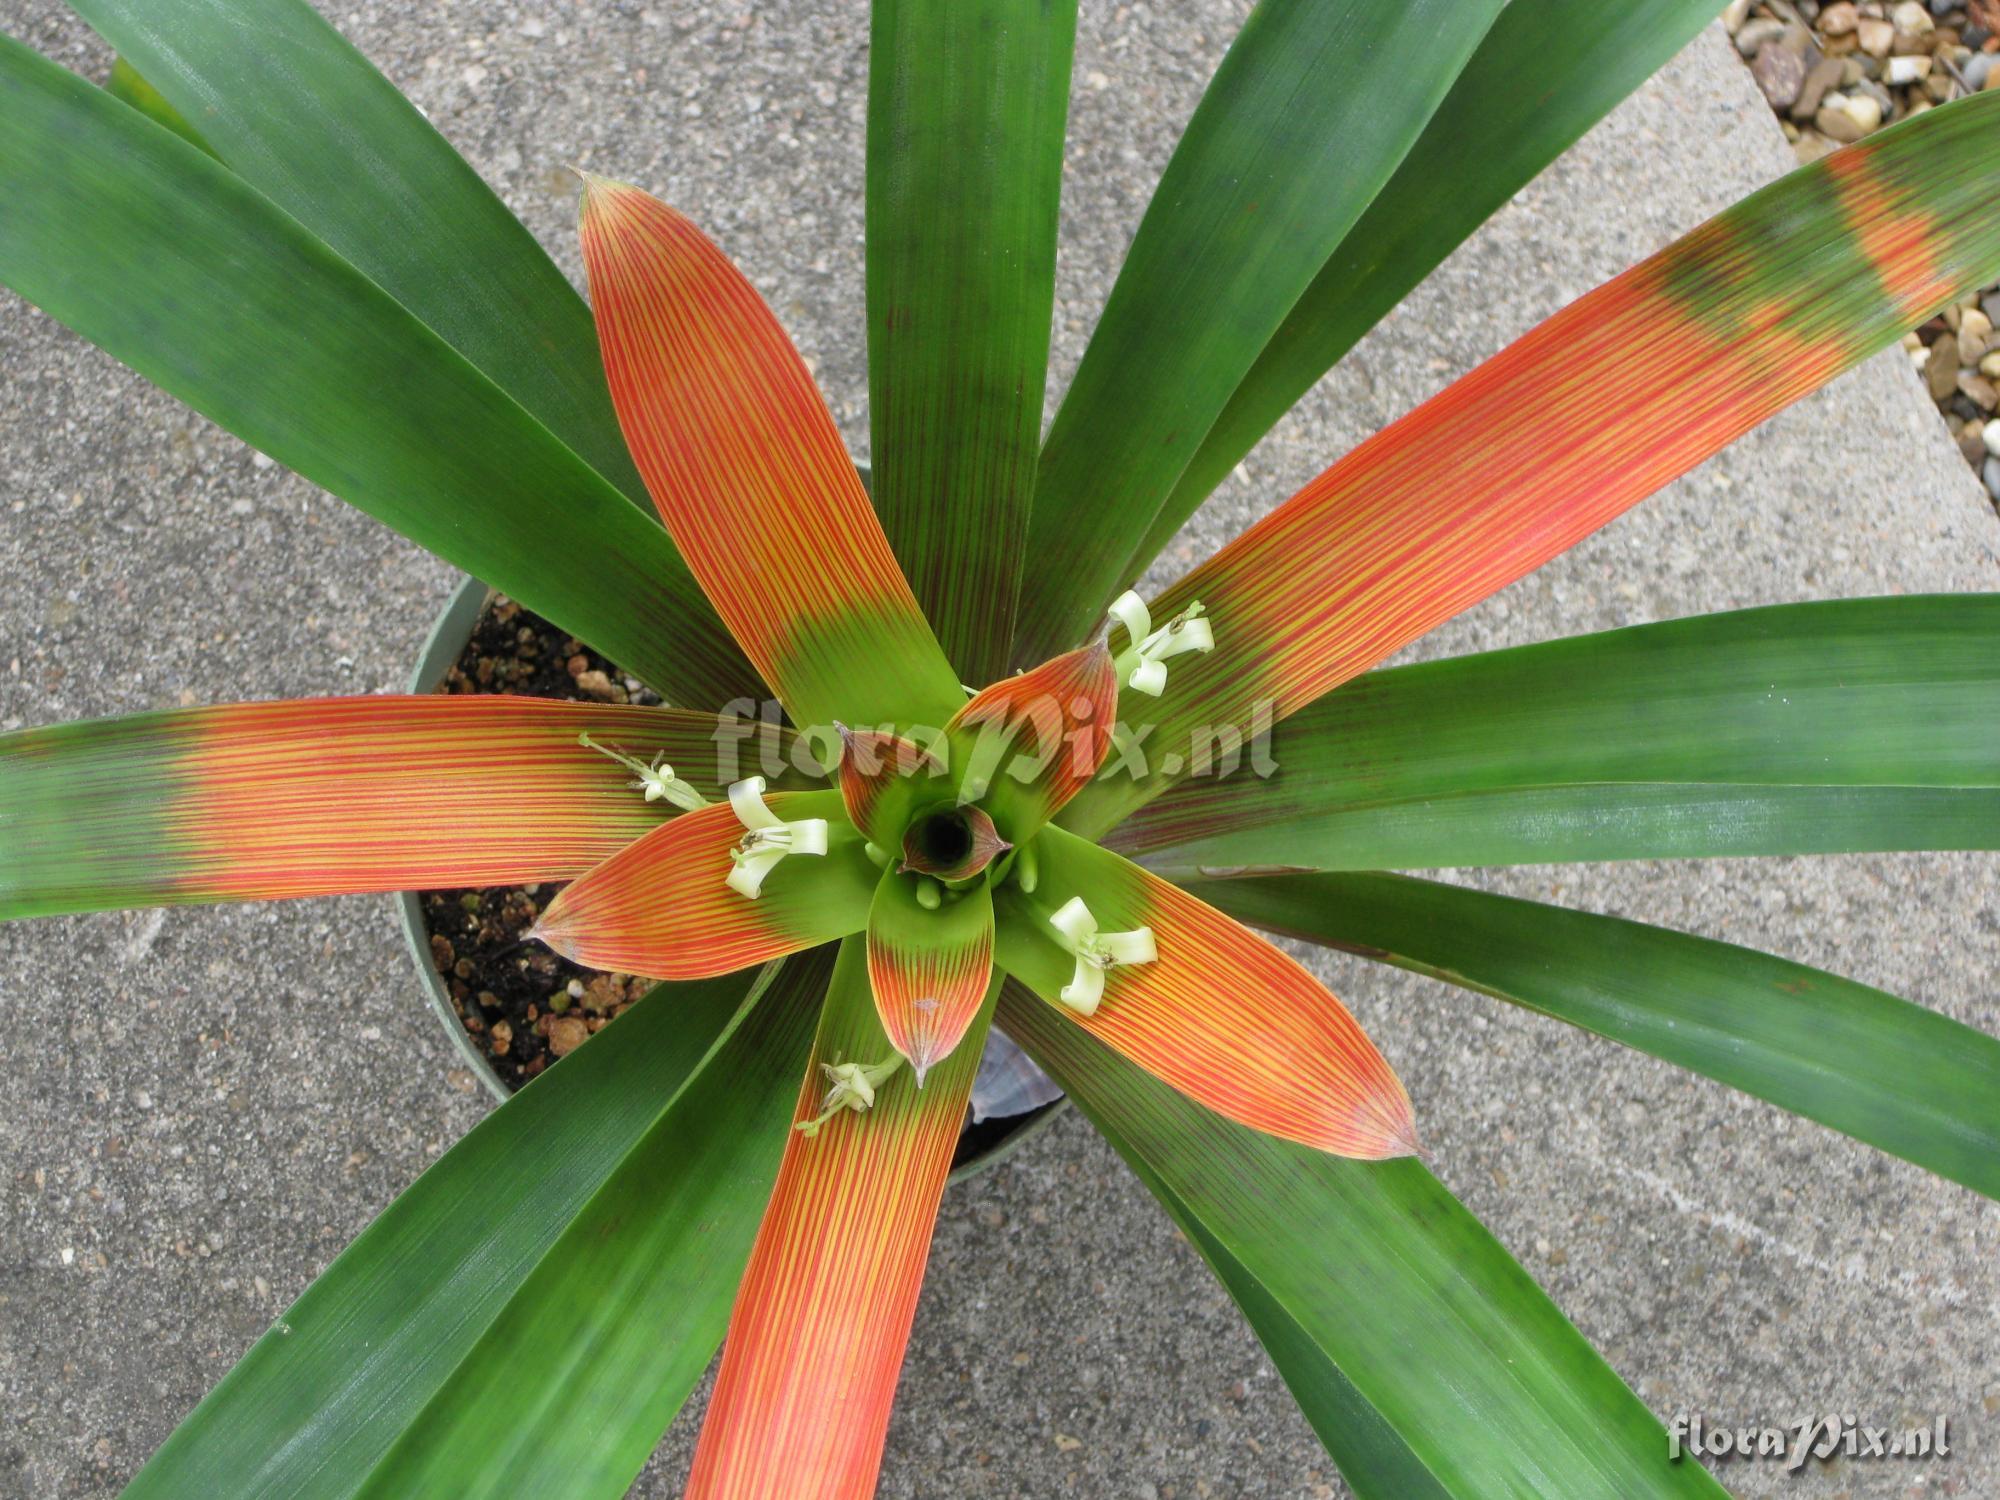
(523, 1004)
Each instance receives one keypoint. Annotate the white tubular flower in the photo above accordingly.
(656, 779)
(1095, 952)
(768, 839)
(850, 1086)
(1142, 664)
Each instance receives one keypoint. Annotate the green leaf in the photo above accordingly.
(570, 1388)
(1435, 1326)
(1375, 1462)
(1305, 120)
(126, 84)
(1885, 1071)
(287, 103)
(966, 107)
(1546, 72)
(321, 1397)
(170, 262)
(1801, 728)
(1515, 463)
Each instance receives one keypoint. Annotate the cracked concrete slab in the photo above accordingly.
(194, 1131)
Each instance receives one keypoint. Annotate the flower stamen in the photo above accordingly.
(768, 839)
(1095, 952)
(1142, 664)
(656, 779)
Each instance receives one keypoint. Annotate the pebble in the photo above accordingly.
(1781, 73)
(1972, 442)
(1941, 368)
(1754, 34)
(1848, 117)
(1977, 389)
(1989, 474)
(1990, 434)
(1839, 19)
(1913, 17)
(1821, 79)
(1989, 366)
(1876, 37)
(601, 687)
(1906, 70)
(566, 1034)
(1868, 88)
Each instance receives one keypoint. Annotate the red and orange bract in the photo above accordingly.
(1221, 1014)
(749, 472)
(1539, 447)
(1034, 740)
(817, 1334)
(928, 969)
(661, 906)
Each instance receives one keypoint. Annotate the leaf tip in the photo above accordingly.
(1388, 1129)
(608, 201)
(552, 934)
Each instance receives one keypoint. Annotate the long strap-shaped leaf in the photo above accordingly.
(287, 103)
(1431, 1321)
(568, 1391)
(1492, 134)
(816, 1339)
(1375, 1462)
(147, 247)
(1308, 115)
(1803, 728)
(328, 1390)
(327, 796)
(1526, 456)
(748, 470)
(966, 106)
(1885, 1071)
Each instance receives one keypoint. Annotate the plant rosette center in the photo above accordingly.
(948, 817)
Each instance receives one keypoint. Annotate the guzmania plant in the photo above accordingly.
(1068, 848)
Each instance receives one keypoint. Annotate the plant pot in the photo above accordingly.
(980, 1145)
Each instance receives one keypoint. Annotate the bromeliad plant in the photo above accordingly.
(762, 1143)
